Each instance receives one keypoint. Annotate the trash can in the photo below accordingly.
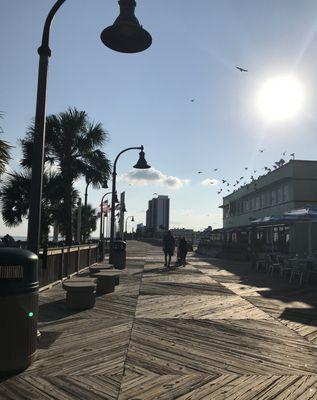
(19, 289)
(119, 254)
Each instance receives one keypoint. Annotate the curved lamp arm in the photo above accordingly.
(44, 49)
(121, 152)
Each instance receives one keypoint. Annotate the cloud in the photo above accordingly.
(144, 177)
(208, 182)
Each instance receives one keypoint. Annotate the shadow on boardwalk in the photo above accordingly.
(269, 292)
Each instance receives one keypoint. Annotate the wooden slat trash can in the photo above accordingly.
(19, 288)
(80, 293)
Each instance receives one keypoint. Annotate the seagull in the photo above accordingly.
(237, 182)
(242, 69)
(241, 177)
(228, 190)
(261, 150)
(245, 168)
(199, 172)
(192, 100)
(284, 153)
(223, 181)
(215, 169)
(228, 184)
(254, 171)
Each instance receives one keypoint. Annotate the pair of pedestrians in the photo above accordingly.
(169, 247)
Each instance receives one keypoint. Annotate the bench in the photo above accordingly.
(106, 280)
(98, 268)
(80, 293)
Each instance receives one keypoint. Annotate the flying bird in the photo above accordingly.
(261, 150)
(254, 171)
(199, 172)
(241, 177)
(192, 100)
(228, 184)
(215, 169)
(228, 190)
(245, 168)
(223, 181)
(242, 69)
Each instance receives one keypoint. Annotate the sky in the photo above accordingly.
(145, 98)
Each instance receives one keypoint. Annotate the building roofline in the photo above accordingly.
(269, 173)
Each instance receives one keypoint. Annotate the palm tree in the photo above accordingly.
(15, 198)
(72, 146)
(4, 151)
(91, 221)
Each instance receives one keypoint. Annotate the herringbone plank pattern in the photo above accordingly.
(212, 330)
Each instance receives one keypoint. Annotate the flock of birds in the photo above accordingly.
(242, 180)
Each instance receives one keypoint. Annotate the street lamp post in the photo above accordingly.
(85, 212)
(104, 186)
(126, 35)
(141, 164)
(101, 215)
(126, 223)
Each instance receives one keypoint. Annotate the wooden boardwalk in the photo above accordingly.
(212, 330)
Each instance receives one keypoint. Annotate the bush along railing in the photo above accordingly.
(56, 264)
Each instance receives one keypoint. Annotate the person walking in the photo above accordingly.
(182, 249)
(168, 248)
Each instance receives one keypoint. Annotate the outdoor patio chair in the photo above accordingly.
(299, 269)
(260, 261)
(275, 263)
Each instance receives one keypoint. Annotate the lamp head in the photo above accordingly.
(126, 35)
(105, 184)
(142, 163)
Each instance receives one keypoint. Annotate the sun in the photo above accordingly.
(280, 98)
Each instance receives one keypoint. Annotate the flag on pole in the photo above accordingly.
(105, 206)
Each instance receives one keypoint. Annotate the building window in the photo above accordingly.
(257, 203)
(286, 193)
(273, 197)
(279, 195)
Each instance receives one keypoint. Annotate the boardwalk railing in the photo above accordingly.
(61, 262)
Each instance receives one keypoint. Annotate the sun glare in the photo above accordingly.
(280, 98)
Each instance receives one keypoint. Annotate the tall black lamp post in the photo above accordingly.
(141, 164)
(126, 35)
(101, 215)
(126, 223)
(88, 182)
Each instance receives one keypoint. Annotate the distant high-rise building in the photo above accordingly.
(158, 213)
